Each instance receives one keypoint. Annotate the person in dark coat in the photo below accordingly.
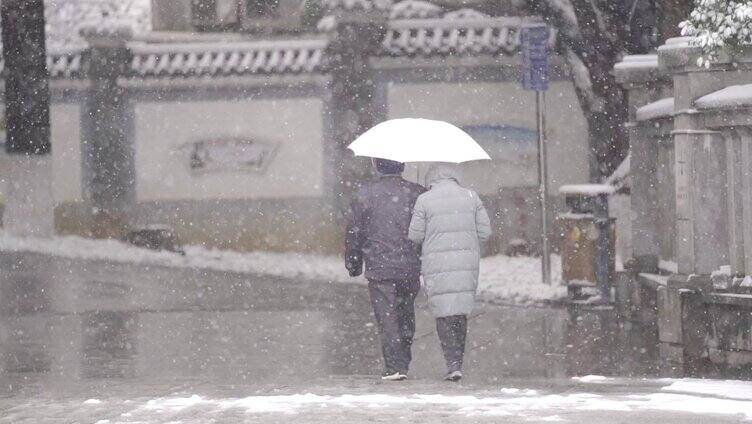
(378, 221)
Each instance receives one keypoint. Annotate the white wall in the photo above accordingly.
(504, 104)
(65, 121)
(295, 125)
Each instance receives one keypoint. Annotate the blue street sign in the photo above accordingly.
(534, 54)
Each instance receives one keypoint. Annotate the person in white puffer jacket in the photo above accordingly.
(450, 223)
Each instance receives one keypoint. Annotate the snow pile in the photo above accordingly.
(518, 392)
(638, 61)
(731, 389)
(502, 278)
(592, 379)
(662, 108)
(518, 280)
(733, 96)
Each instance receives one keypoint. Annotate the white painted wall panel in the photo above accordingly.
(163, 129)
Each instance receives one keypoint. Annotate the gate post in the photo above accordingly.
(355, 33)
(109, 169)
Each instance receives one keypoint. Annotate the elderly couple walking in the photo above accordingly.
(402, 231)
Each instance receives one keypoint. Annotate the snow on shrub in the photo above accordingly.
(719, 25)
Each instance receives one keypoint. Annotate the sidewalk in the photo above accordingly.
(363, 399)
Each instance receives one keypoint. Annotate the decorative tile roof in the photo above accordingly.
(416, 28)
(227, 58)
(357, 4)
(415, 9)
(463, 32)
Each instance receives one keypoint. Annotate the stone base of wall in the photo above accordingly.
(697, 334)
(306, 225)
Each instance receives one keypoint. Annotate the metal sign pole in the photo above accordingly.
(534, 41)
(540, 108)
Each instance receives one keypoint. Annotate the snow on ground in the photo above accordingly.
(285, 265)
(592, 379)
(733, 389)
(503, 404)
(518, 280)
(502, 278)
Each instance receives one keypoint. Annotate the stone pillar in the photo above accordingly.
(29, 205)
(746, 180)
(701, 224)
(640, 76)
(700, 165)
(109, 169)
(734, 202)
(701, 243)
(643, 195)
(739, 202)
(355, 36)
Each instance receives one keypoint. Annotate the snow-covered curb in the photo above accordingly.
(502, 279)
(508, 402)
(286, 265)
(730, 389)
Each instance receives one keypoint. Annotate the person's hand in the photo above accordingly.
(354, 263)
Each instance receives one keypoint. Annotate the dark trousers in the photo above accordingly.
(394, 307)
(452, 333)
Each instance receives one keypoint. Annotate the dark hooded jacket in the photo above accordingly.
(378, 221)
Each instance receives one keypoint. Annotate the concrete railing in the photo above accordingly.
(691, 204)
(651, 162)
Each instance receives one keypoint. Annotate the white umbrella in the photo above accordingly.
(418, 140)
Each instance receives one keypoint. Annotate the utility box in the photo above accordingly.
(589, 245)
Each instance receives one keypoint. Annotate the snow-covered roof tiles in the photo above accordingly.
(735, 96)
(465, 33)
(462, 32)
(358, 4)
(227, 58)
(415, 9)
(416, 28)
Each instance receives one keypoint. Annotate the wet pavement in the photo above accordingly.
(99, 342)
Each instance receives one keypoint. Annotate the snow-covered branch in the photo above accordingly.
(719, 25)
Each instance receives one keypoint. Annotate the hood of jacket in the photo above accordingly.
(439, 172)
